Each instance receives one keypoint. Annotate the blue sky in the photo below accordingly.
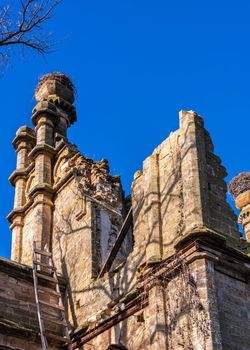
(135, 64)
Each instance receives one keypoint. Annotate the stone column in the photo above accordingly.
(152, 209)
(155, 318)
(239, 188)
(205, 332)
(52, 115)
(23, 143)
(42, 192)
(31, 218)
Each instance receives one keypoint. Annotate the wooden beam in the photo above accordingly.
(119, 240)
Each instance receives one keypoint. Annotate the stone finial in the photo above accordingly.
(55, 84)
(239, 188)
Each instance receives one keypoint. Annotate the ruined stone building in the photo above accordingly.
(179, 276)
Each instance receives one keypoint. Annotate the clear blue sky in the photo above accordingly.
(135, 64)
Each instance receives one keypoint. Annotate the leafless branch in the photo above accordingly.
(24, 27)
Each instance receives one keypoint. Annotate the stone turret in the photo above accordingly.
(33, 177)
(55, 96)
(62, 198)
(239, 187)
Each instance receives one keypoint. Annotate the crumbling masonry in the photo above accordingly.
(180, 279)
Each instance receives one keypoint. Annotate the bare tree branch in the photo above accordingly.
(25, 27)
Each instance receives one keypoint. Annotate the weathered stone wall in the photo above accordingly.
(19, 327)
(233, 299)
(182, 312)
(72, 243)
(85, 226)
(180, 190)
(30, 224)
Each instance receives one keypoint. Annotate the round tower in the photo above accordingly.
(239, 188)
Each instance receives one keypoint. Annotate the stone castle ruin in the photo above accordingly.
(165, 269)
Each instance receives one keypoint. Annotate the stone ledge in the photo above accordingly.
(42, 149)
(44, 188)
(209, 235)
(21, 271)
(24, 134)
(19, 211)
(14, 329)
(20, 173)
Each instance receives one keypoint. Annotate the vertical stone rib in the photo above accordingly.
(16, 247)
(206, 288)
(152, 209)
(193, 169)
(156, 319)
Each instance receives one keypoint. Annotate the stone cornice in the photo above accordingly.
(44, 107)
(20, 211)
(42, 149)
(217, 241)
(61, 145)
(16, 175)
(65, 106)
(24, 134)
(22, 271)
(41, 188)
(20, 173)
(20, 138)
(36, 190)
(16, 224)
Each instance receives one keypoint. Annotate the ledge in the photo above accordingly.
(216, 239)
(21, 271)
(44, 107)
(15, 330)
(47, 188)
(41, 149)
(24, 134)
(18, 211)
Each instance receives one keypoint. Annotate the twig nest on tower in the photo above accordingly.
(55, 84)
(239, 184)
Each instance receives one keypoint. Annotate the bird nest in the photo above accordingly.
(239, 184)
(62, 78)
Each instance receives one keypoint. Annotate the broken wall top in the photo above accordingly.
(181, 191)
